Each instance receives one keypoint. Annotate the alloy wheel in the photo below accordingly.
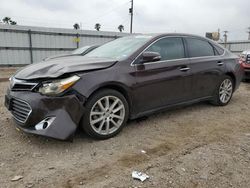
(107, 115)
(225, 91)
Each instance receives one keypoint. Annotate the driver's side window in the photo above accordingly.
(169, 48)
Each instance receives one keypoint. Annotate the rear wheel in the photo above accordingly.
(224, 92)
(106, 114)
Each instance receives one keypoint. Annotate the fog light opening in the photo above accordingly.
(45, 125)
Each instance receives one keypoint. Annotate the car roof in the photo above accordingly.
(160, 35)
(169, 34)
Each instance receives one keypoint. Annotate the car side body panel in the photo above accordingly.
(160, 84)
(206, 73)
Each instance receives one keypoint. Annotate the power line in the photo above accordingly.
(113, 9)
(37, 21)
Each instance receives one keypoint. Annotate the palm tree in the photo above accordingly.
(12, 22)
(120, 28)
(97, 26)
(76, 26)
(6, 20)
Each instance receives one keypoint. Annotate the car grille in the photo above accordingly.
(20, 110)
(21, 85)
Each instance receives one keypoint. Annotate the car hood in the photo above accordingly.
(58, 56)
(56, 67)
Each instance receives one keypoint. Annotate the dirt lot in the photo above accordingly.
(196, 146)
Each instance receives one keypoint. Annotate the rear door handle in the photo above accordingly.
(220, 63)
(184, 69)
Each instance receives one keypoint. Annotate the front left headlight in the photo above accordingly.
(58, 86)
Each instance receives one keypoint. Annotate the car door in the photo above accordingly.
(206, 66)
(164, 82)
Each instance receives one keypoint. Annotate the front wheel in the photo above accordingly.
(106, 114)
(224, 92)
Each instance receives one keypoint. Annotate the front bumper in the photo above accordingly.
(66, 112)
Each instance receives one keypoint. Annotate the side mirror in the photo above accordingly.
(150, 57)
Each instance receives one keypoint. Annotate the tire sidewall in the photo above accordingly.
(85, 123)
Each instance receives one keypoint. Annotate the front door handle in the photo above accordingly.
(184, 69)
(220, 63)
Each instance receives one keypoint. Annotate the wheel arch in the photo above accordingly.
(124, 90)
(233, 78)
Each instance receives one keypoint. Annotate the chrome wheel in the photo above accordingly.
(107, 115)
(225, 91)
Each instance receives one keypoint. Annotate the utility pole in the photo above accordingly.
(225, 38)
(131, 12)
(248, 33)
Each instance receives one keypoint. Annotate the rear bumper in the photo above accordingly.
(65, 111)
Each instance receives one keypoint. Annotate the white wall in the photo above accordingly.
(61, 40)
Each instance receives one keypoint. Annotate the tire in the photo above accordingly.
(102, 119)
(218, 98)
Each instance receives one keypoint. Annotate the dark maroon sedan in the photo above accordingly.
(129, 77)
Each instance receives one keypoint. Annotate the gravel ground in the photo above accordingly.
(196, 146)
(6, 72)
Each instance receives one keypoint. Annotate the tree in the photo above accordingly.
(6, 20)
(12, 22)
(76, 26)
(97, 26)
(120, 28)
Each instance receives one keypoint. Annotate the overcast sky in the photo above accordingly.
(189, 16)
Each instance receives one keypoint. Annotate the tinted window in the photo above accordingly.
(199, 48)
(168, 48)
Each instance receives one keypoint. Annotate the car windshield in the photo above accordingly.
(120, 48)
(80, 50)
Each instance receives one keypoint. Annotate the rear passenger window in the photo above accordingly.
(199, 48)
(168, 48)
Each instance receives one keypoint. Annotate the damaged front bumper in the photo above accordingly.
(55, 117)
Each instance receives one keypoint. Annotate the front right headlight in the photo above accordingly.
(58, 86)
